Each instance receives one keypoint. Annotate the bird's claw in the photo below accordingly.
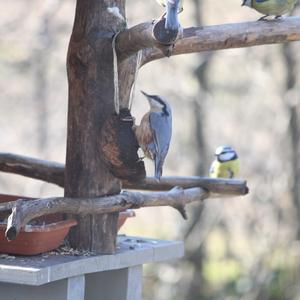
(167, 50)
(263, 18)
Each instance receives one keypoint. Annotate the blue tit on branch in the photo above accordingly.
(173, 8)
(155, 131)
(226, 163)
(271, 7)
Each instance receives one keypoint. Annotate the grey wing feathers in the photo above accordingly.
(161, 126)
(172, 22)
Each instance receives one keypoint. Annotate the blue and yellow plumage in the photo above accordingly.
(271, 7)
(226, 163)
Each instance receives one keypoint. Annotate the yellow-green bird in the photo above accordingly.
(173, 8)
(226, 163)
(271, 7)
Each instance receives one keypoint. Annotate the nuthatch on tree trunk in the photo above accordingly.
(173, 7)
(155, 131)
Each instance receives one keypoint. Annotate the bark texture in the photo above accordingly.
(91, 94)
(53, 172)
(24, 211)
(217, 37)
(49, 171)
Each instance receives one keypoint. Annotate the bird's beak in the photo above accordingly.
(146, 95)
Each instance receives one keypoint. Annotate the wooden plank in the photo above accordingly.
(134, 283)
(131, 251)
(76, 287)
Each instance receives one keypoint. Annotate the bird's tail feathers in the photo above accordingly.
(158, 169)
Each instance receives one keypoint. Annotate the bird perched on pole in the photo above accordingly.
(155, 131)
(173, 8)
(226, 164)
(271, 7)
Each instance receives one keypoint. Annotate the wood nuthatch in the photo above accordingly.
(155, 131)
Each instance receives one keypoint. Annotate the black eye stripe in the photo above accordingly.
(158, 100)
(164, 109)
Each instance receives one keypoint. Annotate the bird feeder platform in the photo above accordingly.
(84, 276)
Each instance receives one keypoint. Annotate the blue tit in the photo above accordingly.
(226, 163)
(271, 7)
(155, 131)
(173, 8)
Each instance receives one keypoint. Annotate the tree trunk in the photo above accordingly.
(291, 94)
(196, 255)
(91, 94)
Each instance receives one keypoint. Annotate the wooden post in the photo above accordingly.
(91, 94)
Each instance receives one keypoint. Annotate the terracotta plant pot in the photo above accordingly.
(47, 234)
(51, 218)
(129, 213)
(36, 239)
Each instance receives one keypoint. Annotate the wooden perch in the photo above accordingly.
(216, 37)
(53, 172)
(214, 185)
(24, 211)
(48, 171)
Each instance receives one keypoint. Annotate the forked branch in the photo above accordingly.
(216, 37)
(25, 210)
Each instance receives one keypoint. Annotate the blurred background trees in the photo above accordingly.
(246, 248)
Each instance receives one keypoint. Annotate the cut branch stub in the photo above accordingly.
(179, 191)
(13, 220)
(24, 211)
(119, 147)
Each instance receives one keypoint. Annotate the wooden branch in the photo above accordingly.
(26, 210)
(53, 172)
(15, 218)
(216, 37)
(132, 40)
(213, 185)
(48, 171)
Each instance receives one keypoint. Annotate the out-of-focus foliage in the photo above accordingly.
(241, 248)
